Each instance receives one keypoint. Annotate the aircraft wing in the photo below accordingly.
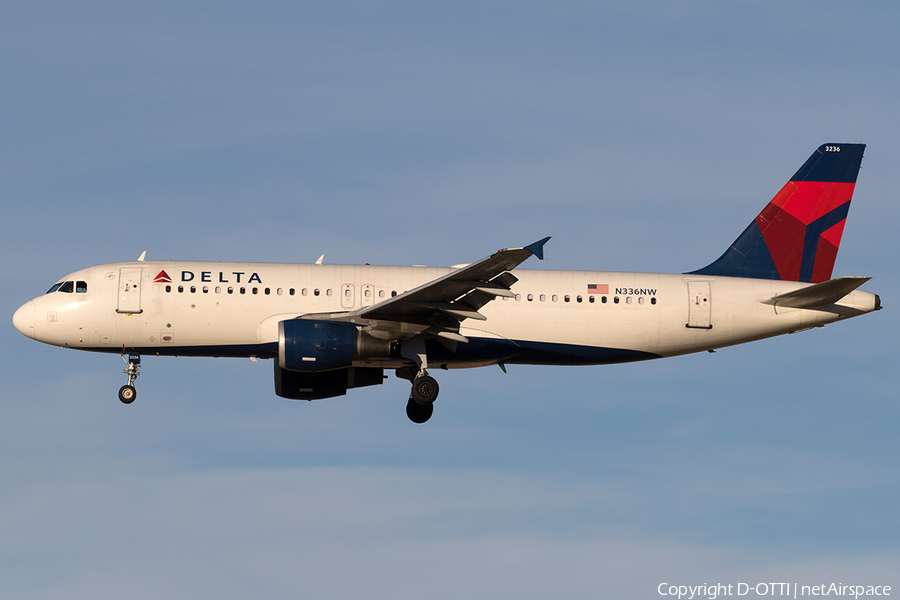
(439, 306)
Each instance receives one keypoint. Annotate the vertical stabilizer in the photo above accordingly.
(797, 235)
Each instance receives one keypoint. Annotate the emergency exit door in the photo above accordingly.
(700, 308)
(130, 285)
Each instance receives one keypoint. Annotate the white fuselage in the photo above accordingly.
(557, 317)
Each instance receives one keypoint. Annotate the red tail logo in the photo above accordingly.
(797, 235)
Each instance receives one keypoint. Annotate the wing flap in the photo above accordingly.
(462, 291)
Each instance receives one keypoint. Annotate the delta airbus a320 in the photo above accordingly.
(331, 328)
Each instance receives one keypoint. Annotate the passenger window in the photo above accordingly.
(279, 291)
(230, 290)
(67, 287)
(291, 291)
(530, 297)
(180, 289)
(543, 297)
(255, 290)
(628, 300)
(315, 292)
(616, 300)
(243, 290)
(267, 292)
(393, 293)
(591, 299)
(603, 299)
(193, 289)
(652, 300)
(168, 288)
(54, 288)
(303, 292)
(81, 287)
(578, 299)
(566, 298)
(555, 298)
(328, 292)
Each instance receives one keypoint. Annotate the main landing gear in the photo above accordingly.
(424, 392)
(425, 389)
(127, 393)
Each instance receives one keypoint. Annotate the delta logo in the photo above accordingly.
(162, 277)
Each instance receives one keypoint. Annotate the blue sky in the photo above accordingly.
(641, 136)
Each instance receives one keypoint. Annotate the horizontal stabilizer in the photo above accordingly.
(820, 294)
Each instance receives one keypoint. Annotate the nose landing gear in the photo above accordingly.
(127, 393)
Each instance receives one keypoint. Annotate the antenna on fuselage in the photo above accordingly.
(321, 258)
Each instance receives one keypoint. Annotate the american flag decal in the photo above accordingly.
(598, 288)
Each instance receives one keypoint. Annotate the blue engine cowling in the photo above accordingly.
(307, 345)
(310, 346)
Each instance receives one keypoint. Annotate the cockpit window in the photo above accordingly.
(79, 287)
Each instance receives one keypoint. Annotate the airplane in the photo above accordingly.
(332, 328)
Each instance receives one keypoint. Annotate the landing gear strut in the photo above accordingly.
(127, 393)
(425, 389)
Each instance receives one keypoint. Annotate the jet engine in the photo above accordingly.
(315, 359)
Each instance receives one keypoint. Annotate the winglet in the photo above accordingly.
(537, 248)
(142, 256)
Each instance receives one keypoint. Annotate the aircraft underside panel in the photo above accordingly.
(477, 352)
(541, 353)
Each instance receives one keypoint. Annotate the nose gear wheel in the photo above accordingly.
(127, 393)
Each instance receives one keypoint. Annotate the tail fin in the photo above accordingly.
(797, 235)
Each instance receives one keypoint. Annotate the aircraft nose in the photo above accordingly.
(23, 319)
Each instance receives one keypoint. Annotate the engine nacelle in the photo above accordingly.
(327, 384)
(310, 346)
